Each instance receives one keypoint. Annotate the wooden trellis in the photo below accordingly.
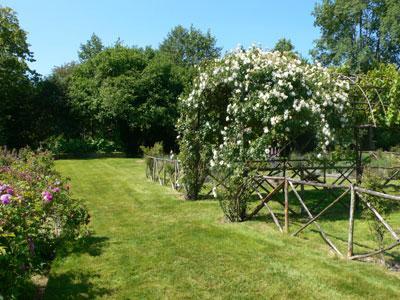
(287, 184)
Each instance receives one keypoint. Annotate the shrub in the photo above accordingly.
(37, 217)
(234, 196)
(157, 150)
(61, 145)
(372, 179)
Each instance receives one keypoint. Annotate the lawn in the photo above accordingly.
(148, 243)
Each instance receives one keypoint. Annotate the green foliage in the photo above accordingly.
(127, 95)
(190, 46)
(382, 87)
(234, 196)
(376, 94)
(62, 145)
(38, 216)
(92, 47)
(157, 150)
(357, 32)
(16, 87)
(13, 44)
(284, 45)
(372, 180)
(194, 158)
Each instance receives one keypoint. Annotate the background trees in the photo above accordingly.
(119, 97)
(92, 47)
(190, 46)
(359, 33)
(127, 95)
(16, 80)
(115, 97)
(284, 45)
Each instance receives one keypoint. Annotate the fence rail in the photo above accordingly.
(287, 184)
(268, 182)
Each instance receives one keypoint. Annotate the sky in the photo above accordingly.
(56, 28)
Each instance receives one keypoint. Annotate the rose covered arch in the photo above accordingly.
(248, 101)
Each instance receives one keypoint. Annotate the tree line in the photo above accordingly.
(118, 97)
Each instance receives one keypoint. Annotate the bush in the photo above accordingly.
(157, 150)
(61, 145)
(234, 196)
(37, 217)
(372, 179)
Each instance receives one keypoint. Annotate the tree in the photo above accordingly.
(190, 46)
(15, 80)
(127, 95)
(284, 45)
(359, 33)
(92, 47)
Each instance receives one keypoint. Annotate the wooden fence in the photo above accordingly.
(167, 171)
(163, 170)
(285, 184)
(270, 178)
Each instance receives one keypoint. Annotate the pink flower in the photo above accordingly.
(47, 196)
(55, 190)
(5, 199)
(9, 191)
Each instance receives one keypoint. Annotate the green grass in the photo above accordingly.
(148, 243)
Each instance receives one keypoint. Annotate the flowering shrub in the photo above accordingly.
(37, 216)
(250, 101)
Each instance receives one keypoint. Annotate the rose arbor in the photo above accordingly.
(246, 103)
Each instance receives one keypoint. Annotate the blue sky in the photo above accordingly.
(56, 28)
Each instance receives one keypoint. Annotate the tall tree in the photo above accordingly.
(190, 46)
(15, 80)
(92, 47)
(359, 33)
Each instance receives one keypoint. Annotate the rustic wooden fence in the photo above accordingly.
(167, 171)
(163, 170)
(281, 175)
(287, 184)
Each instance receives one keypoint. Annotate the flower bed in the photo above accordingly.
(37, 216)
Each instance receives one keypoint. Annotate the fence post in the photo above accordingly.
(165, 172)
(153, 177)
(302, 186)
(285, 189)
(351, 222)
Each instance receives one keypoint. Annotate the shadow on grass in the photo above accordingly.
(77, 284)
(315, 200)
(74, 285)
(92, 245)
